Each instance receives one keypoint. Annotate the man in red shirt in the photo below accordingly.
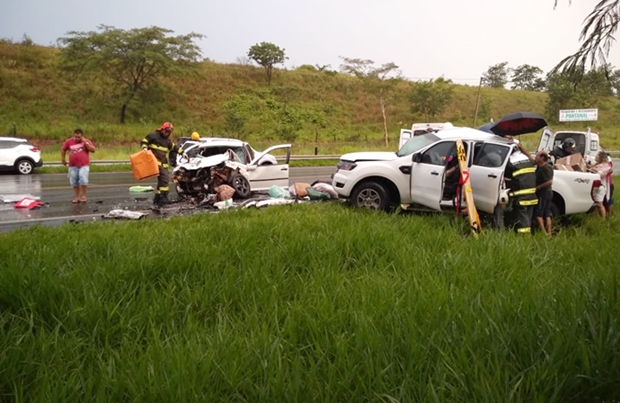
(79, 163)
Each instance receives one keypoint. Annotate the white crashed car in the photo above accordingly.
(244, 168)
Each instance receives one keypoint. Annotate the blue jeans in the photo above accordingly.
(78, 176)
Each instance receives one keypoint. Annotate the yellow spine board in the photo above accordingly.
(472, 212)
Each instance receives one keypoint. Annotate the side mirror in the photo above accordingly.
(417, 158)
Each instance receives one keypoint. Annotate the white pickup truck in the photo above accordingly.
(415, 175)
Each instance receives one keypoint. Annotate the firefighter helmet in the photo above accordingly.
(166, 126)
(195, 136)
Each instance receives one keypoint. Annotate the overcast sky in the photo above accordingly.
(458, 39)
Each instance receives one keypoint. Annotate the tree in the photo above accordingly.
(267, 55)
(526, 77)
(133, 59)
(569, 91)
(496, 76)
(598, 81)
(431, 98)
(597, 36)
(376, 79)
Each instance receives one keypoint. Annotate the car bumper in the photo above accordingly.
(39, 164)
(341, 184)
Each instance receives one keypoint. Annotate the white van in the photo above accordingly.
(418, 129)
(587, 143)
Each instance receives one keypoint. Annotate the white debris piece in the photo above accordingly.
(274, 202)
(225, 204)
(132, 215)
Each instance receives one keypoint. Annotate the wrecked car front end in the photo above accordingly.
(204, 180)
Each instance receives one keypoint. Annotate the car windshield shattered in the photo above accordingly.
(416, 143)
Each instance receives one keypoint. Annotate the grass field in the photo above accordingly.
(309, 303)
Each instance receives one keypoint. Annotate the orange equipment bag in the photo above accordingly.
(144, 165)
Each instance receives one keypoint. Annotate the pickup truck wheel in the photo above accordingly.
(555, 211)
(371, 195)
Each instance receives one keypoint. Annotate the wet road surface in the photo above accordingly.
(106, 191)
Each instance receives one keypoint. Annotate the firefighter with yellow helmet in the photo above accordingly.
(160, 144)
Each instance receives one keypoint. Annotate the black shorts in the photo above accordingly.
(543, 208)
(610, 201)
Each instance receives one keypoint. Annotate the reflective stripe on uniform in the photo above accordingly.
(160, 148)
(524, 171)
(522, 192)
(526, 230)
(164, 188)
(164, 165)
(532, 202)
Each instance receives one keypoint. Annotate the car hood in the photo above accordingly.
(370, 156)
(205, 162)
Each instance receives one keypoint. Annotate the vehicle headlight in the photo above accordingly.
(346, 165)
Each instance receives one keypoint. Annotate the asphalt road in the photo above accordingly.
(107, 191)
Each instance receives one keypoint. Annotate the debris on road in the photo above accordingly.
(119, 213)
(28, 203)
(136, 189)
(13, 198)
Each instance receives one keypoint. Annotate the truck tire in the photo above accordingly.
(555, 211)
(370, 195)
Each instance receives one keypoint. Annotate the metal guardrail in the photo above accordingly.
(293, 158)
(119, 162)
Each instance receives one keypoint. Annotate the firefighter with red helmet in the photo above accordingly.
(160, 144)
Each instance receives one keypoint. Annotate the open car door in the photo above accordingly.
(405, 134)
(546, 140)
(487, 173)
(262, 177)
(427, 174)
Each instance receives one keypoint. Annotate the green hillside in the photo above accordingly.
(40, 102)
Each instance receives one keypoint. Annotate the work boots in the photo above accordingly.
(164, 198)
(157, 200)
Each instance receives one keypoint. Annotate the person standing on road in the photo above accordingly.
(160, 144)
(79, 163)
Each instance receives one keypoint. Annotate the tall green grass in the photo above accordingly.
(308, 303)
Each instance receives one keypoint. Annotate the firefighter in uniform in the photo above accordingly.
(521, 179)
(160, 144)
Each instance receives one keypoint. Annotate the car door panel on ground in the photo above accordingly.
(487, 173)
(427, 175)
(262, 177)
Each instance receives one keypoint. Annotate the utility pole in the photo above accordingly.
(477, 102)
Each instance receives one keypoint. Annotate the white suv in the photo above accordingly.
(19, 155)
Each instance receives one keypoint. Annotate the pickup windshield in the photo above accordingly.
(416, 143)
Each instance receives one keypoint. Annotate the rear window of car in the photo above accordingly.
(6, 144)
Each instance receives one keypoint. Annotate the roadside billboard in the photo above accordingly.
(578, 115)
